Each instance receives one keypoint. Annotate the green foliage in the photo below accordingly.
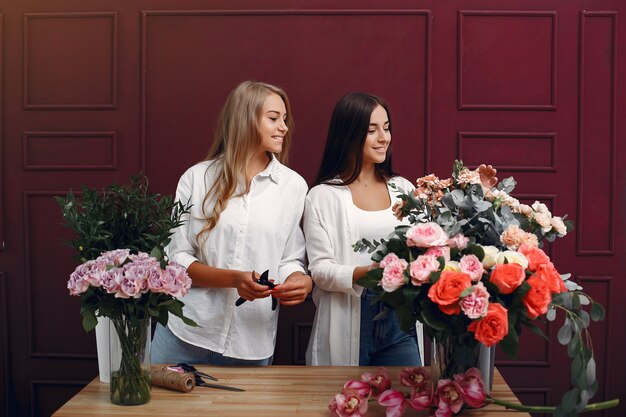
(123, 217)
(120, 217)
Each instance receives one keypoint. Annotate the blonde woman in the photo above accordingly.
(352, 199)
(245, 219)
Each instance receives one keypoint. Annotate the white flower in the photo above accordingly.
(512, 257)
(490, 253)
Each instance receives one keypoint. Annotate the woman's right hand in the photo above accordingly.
(248, 288)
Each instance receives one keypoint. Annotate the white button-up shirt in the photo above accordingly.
(257, 231)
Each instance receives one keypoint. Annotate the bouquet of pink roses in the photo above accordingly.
(119, 284)
(470, 267)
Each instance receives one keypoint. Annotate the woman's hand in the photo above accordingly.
(248, 288)
(294, 290)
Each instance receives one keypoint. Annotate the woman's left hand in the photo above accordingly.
(294, 290)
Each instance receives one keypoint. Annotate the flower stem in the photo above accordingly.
(546, 409)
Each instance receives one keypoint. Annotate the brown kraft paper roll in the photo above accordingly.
(177, 381)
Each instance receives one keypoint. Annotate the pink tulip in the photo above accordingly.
(473, 388)
(394, 401)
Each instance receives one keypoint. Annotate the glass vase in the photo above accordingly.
(129, 349)
(456, 354)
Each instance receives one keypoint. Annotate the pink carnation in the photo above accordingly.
(421, 269)
(472, 266)
(513, 237)
(115, 257)
(476, 304)
(426, 235)
(393, 275)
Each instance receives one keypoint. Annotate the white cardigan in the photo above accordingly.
(330, 232)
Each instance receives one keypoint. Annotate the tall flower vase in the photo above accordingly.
(102, 346)
(456, 354)
(130, 361)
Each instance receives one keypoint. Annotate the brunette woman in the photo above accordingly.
(352, 199)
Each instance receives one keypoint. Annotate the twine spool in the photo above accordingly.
(177, 381)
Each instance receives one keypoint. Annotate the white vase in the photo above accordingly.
(102, 345)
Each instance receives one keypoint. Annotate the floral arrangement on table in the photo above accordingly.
(443, 396)
(470, 267)
(121, 233)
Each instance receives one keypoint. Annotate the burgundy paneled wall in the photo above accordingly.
(93, 92)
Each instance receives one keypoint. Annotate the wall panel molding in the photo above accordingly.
(544, 141)
(596, 134)
(2, 99)
(4, 349)
(465, 103)
(43, 90)
(147, 14)
(31, 319)
(299, 329)
(38, 386)
(69, 151)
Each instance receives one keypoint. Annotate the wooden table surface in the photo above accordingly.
(271, 391)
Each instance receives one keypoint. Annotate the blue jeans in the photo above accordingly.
(382, 342)
(169, 349)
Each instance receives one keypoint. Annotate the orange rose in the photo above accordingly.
(507, 277)
(536, 257)
(446, 291)
(548, 274)
(538, 297)
(493, 327)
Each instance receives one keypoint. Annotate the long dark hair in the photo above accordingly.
(349, 124)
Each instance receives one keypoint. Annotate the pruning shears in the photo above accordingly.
(263, 280)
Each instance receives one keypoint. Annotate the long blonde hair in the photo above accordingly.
(237, 138)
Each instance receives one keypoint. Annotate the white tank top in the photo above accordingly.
(373, 225)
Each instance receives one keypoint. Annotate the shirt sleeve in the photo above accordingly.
(326, 271)
(293, 258)
(180, 249)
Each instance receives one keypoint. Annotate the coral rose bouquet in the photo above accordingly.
(469, 265)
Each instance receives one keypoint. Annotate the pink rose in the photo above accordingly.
(393, 275)
(389, 258)
(426, 235)
(458, 241)
(472, 266)
(115, 257)
(110, 282)
(422, 267)
(476, 304)
(438, 251)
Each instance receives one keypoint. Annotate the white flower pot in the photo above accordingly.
(102, 345)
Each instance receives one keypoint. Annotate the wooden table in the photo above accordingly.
(271, 391)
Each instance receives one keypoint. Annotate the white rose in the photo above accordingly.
(490, 252)
(559, 226)
(543, 220)
(541, 208)
(512, 257)
(452, 266)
